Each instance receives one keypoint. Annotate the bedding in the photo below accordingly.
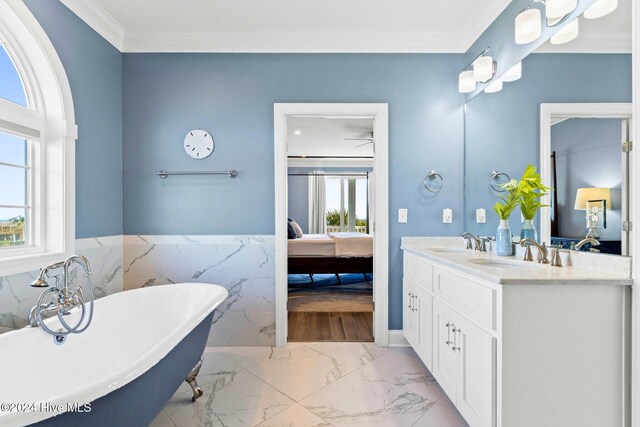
(312, 245)
(353, 245)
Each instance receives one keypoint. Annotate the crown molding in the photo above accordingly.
(99, 19)
(294, 42)
(481, 18)
(596, 42)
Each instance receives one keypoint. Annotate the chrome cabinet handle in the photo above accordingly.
(410, 300)
(455, 340)
(448, 325)
(415, 307)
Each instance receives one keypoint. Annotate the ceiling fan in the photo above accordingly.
(368, 140)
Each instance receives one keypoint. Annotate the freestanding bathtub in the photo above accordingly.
(139, 348)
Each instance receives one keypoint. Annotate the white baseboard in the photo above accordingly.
(397, 339)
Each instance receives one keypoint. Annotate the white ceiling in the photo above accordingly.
(325, 136)
(289, 25)
(611, 33)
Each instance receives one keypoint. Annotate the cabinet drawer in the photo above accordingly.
(476, 301)
(419, 271)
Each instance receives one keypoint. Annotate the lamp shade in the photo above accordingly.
(494, 87)
(566, 33)
(600, 9)
(514, 73)
(528, 26)
(466, 82)
(583, 195)
(559, 8)
(483, 69)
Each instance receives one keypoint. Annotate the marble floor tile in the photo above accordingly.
(404, 370)
(295, 416)
(441, 416)
(302, 372)
(249, 356)
(362, 399)
(234, 399)
(355, 354)
(162, 420)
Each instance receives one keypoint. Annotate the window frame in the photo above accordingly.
(48, 125)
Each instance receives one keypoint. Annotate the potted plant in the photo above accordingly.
(504, 208)
(530, 190)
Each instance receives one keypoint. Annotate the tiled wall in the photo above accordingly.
(244, 265)
(17, 297)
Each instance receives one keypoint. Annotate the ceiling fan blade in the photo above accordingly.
(369, 140)
(360, 145)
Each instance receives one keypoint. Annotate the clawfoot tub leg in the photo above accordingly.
(191, 380)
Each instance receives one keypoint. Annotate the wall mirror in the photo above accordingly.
(572, 99)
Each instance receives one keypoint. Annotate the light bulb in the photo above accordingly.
(566, 33)
(494, 87)
(600, 9)
(559, 8)
(466, 82)
(514, 73)
(528, 26)
(483, 69)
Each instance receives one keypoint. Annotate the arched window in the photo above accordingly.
(37, 146)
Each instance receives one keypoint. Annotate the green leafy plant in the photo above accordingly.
(530, 190)
(509, 202)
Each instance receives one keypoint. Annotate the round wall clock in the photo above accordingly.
(199, 144)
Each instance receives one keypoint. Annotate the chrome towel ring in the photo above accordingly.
(497, 180)
(433, 182)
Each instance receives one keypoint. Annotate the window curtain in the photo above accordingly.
(317, 205)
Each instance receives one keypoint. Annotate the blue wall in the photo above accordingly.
(588, 155)
(94, 70)
(232, 96)
(502, 129)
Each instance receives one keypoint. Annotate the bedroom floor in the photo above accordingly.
(313, 384)
(330, 308)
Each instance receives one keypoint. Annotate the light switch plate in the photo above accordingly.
(402, 216)
(481, 216)
(447, 216)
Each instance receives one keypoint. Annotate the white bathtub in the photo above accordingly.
(130, 333)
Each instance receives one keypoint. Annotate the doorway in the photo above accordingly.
(328, 191)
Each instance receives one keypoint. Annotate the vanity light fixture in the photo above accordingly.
(600, 9)
(528, 25)
(494, 87)
(514, 73)
(483, 68)
(466, 82)
(567, 33)
(556, 9)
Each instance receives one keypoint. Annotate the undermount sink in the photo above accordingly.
(498, 263)
(448, 250)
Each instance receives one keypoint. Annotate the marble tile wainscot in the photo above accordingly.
(243, 264)
(105, 258)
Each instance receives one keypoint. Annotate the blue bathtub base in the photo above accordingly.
(140, 401)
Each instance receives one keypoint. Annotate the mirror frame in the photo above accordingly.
(601, 110)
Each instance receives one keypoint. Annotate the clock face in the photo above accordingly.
(199, 144)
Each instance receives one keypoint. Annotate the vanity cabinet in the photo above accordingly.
(526, 355)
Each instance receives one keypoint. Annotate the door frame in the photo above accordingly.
(379, 112)
(619, 110)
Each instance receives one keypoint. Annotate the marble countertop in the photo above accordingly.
(512, 270)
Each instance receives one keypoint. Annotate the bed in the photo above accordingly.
(332, 253)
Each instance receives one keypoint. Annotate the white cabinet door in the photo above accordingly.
(445, 360)
(424, 305)
(475, 384)
(410, 321)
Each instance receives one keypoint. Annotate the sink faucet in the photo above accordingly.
(583, 242)
(542, 250)
(470, 237)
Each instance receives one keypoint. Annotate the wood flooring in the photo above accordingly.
(330, 326)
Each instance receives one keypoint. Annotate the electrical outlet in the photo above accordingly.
(447, 216)
(481, 216)
(402, 216)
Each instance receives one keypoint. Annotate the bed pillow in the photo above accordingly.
(291, 231)
(298, 229)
